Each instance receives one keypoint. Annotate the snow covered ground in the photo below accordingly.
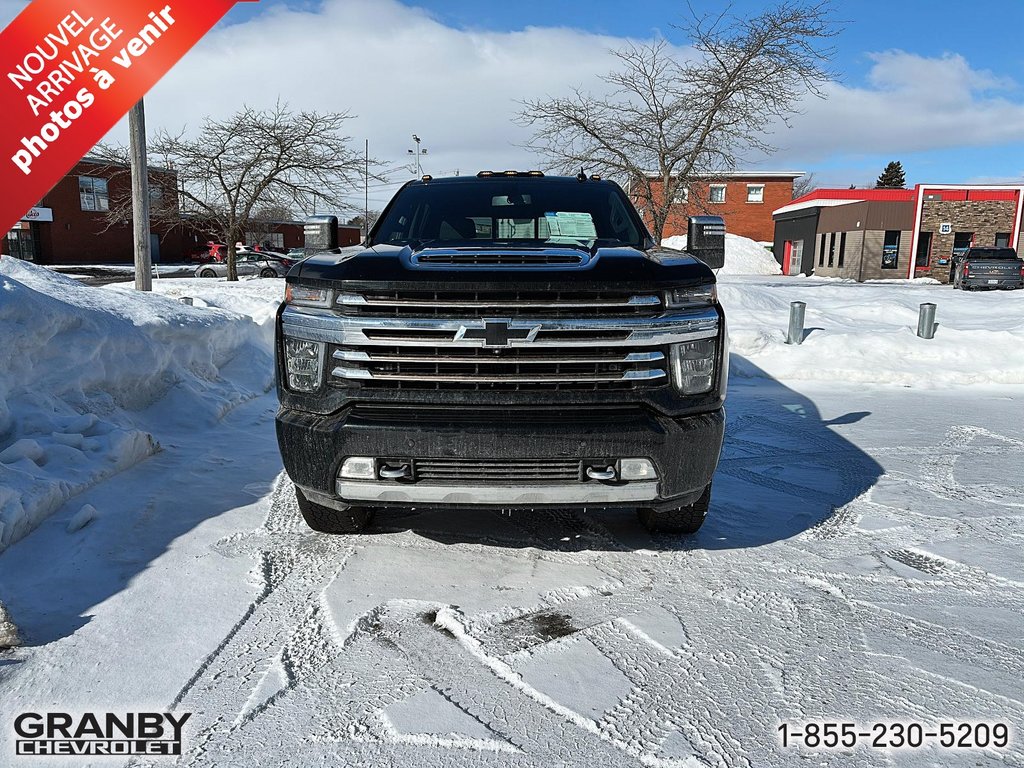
(862, 561)
(88, 376)
(743, 256)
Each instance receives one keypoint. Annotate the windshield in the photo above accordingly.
(992, 253)
(510, 211)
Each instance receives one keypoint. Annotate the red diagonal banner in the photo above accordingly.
(70, 69)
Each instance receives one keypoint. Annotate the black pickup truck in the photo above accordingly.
(987, 268)
(505, 340)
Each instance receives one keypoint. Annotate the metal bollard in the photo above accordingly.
(796, 322)
(926, 321)
(186, 300)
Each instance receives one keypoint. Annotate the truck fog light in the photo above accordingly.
(359, 468)
(636, 469)
(303, 363)
(693, 366)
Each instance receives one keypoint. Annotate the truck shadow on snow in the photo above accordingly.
(783, 471)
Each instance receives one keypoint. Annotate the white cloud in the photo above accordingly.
(401, 71)
(912, 103)
(396, 68)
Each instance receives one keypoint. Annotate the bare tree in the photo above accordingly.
(364, 226)
(667, 121)
(258, 160)
(803, 185)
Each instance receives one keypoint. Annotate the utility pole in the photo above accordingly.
(417, 152)
(366, 188)
(140, 197)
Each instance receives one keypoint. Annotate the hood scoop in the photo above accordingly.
(473, 257)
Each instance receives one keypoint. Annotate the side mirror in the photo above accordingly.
(705, 239)
(320, 233)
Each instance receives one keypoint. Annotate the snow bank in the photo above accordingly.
(743, 256)
(82, 370)
(8, 632)
(867, 332)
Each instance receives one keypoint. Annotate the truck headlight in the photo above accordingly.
(693, 366)
(304, 296)
(303, 362)
(694, 296)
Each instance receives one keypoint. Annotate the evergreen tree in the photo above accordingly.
(892, 177)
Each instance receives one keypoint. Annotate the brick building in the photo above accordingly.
(745, 199)
(868, 234)
(70, 226)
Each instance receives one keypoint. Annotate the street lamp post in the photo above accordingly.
(417, 152)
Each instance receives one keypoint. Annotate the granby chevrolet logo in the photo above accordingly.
(130, 733)
(498, 333)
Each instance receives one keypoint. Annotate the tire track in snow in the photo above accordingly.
(798, 644)
(294, 569)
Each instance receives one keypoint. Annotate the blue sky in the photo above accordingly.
(935, 84)
(929, 29)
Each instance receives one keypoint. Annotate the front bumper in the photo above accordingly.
(684, 451)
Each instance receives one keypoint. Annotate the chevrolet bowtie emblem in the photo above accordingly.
(498, 333)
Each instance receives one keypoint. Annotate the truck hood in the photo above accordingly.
(606, 267)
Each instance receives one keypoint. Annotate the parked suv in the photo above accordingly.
(506, 340)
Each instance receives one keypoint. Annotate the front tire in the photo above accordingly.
(207, 273)
(684, 520)
(268, 273)
(327, 520)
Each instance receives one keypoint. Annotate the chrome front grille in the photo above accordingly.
(497, 472)
(520, 304)
(509, 369)
(474, 341)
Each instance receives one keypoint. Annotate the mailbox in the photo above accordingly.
(705, 239)
(320, 233)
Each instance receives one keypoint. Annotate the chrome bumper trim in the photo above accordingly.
(419, 493)
(669, 328)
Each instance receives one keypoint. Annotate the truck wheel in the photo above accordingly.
(687, 519)
(327, 520)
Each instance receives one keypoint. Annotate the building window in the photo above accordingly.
(755, 193)
(266, 239)
(21, 244)
(821, 251)
(842, 248)
(1002, 239)
(156, 195)
(924, 250)
(717, 193)
(891, 249)
(93, 193)
(681, 195)
(832, 249)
